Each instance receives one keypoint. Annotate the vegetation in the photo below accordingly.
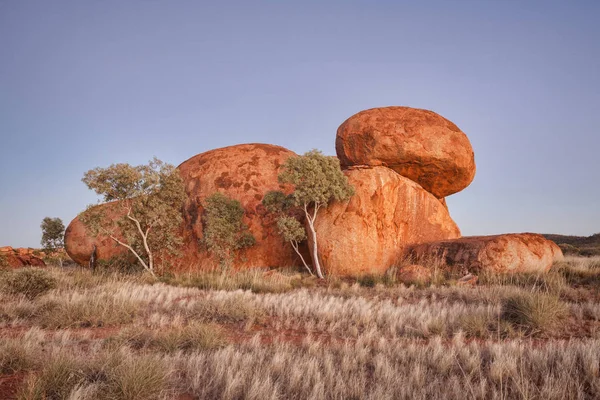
(224, 230)
(53, 237)
(3, 262)
(265, 334)
(317, 180)
(29, 282)
(288, 224)
(586, 246)
(150, 197)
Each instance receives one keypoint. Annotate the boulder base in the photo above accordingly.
(418, 144)
(368, 233)
(509, 253)
(414, 274)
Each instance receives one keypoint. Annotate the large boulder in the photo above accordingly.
(245, 173)
(418, 144)
(80, 245)
(21, 257)
(368, 233)
(508, 253)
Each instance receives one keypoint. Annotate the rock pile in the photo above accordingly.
(21, 257)
(402, 162)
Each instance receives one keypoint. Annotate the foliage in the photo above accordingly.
(30, 282)
(535, 311)
(151, 198)
(224, 230)
(317, 180)
(53, 236)
(3, 262)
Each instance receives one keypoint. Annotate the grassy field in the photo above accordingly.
(69, 334)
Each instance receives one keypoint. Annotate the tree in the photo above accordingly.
(151, 197)
(288, 225)
(317, 180)
(224, 230)
(53, 237)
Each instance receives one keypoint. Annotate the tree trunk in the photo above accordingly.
(295, 246)
(315, 250)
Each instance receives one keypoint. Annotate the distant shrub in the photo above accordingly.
(534, 312)
(30, 282)
(3, 262)
(224, 231)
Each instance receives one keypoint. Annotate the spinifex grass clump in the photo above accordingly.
(534, 312)
(30, 282)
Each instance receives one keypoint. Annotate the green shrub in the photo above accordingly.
(534, 312)
(224, 231)
(30, 282)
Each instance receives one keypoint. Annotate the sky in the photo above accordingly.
(90, 83)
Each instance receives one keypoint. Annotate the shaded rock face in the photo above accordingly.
(20, 257)
(80, 245)
(414, 274)
(509, 253)
(244, 173)
(418, 144)
(368, 233)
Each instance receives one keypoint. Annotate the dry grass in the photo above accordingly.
(117, 336)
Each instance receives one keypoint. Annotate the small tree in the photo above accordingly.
(151, 197)
(317, 180)
(53, 237)
(224, 231)
(288, 225)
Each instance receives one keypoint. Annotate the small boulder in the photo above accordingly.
(80, 245)
(367, 234)
(414, 275)
(418, 144)
(508, 253)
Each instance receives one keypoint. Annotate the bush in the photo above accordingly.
(3, 262)
(534, 312)
(224, 231)
(30, 282)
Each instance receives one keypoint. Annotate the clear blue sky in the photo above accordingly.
(90, 83)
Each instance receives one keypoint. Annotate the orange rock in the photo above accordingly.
(21, 257)
(367, 234)
(80, 245)
(414, 274)
(418, 144)
(516, 252)
(245, 173)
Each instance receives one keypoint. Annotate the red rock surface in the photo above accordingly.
(244, 173)
(509, 253)
(80, 245)
(418, 144)
(21, 257)
(414, 274)
(367, 234)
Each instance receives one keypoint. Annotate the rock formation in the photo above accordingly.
(418, 144)
(402, 161)
(509, 253)
(21, 257)
(80, 245)
(244, 173)
(368, 233)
